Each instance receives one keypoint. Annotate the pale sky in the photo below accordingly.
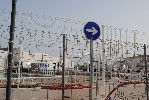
(131, 14)
(125, 14)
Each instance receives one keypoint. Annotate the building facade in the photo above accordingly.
(25, 59)
(3, 58)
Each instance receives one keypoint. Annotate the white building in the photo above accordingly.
(25, 59)
(3, 58)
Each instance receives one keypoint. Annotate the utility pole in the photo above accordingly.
(103, 56)
(133, 64)
(126, 51)
(10, 54)
(146, 72)
(121, 45)
(42, 58)
(63, 68)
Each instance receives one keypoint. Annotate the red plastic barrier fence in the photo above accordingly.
(66, 87)
(120, 85)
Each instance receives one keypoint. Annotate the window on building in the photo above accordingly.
(45, 61)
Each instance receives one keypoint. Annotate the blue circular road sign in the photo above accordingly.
(92, 31)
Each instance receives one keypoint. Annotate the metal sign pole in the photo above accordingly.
(91, 69)
(10, 55)
(92, 32)
(97, 77)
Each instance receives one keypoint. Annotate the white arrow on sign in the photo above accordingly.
(93, 30)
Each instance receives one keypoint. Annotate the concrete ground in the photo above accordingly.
(129, 92)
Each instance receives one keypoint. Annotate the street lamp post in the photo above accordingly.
(10, 55)
(63, 68)
(145, 58)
